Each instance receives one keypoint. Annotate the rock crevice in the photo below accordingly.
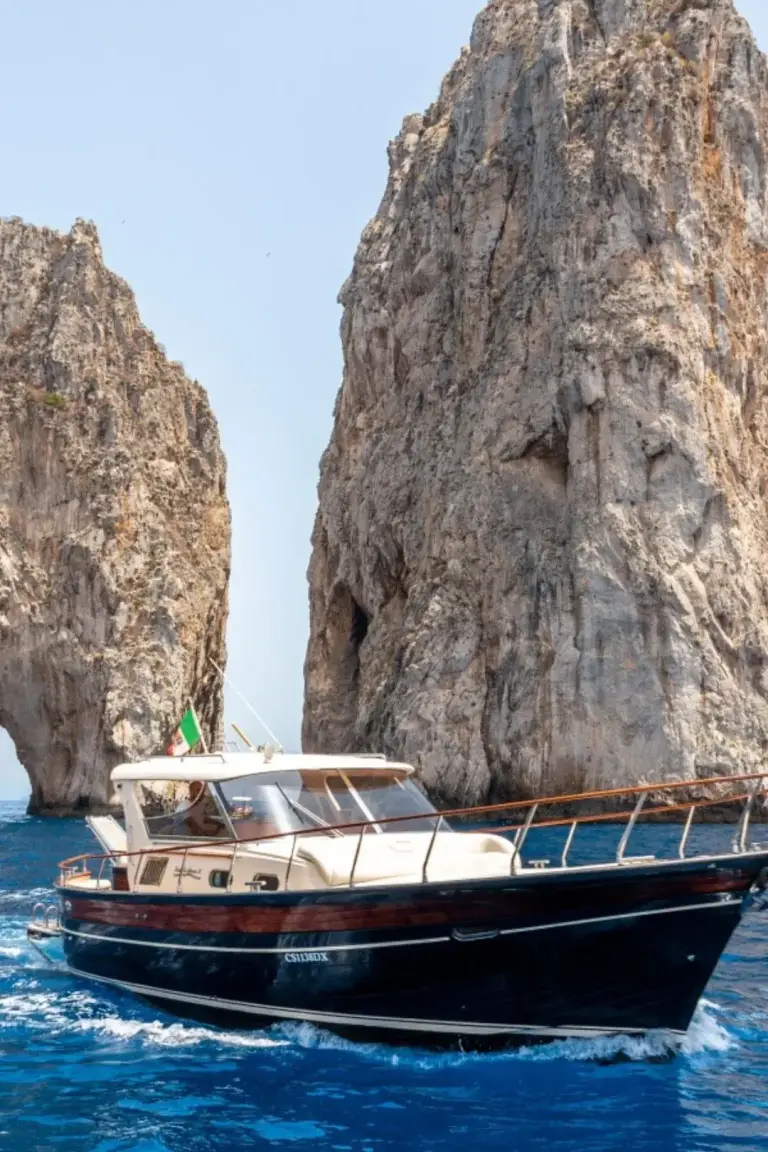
(545, 486)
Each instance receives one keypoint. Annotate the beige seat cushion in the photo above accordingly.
(400, 857)
(90, 883)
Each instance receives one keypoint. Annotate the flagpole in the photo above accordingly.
(199, 726)
(247, 704)
(242, 736)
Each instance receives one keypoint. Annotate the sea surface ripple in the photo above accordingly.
(83, 1069)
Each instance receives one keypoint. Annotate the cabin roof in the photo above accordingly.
(229, 765)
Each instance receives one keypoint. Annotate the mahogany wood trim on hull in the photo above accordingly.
(173, 944)
(539, 898)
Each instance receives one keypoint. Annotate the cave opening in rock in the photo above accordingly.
(333, 725)
(348, 673)
(14, 782)
(359, 627)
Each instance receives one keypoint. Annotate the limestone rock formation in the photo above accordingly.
(114, 523)
(540, 559)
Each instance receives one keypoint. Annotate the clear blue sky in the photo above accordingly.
(230, 152)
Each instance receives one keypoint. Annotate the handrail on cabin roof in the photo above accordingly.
(507, 805)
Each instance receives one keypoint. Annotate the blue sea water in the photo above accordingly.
(83, 1069)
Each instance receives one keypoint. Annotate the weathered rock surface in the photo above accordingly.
(114, 523)
(540, 559)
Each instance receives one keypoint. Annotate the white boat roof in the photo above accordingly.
(229, 765)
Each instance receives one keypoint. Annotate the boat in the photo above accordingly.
(246, 888)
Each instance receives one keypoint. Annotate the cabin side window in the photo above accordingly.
(181, 810)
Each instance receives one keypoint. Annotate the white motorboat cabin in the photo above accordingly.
(268, 821)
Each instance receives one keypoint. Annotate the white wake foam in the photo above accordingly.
(175, 1035)
(28, 898)
(706, 1034)
(42, 1011)
(61, 1012)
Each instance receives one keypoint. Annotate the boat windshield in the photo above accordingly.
(388, 796)
(269, 803)
(180, 810)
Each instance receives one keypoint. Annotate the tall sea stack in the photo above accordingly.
(540, 560)
(114, 524)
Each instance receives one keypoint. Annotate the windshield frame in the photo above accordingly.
(394, 779)
(280, 811)
(209, 790)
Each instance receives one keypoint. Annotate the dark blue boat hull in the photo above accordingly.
(529, 957)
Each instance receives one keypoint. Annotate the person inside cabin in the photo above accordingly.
(197, 814)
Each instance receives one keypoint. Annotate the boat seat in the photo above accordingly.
(108, 833)
(395, 857)
(91, 883)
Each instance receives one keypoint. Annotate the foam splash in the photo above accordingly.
(72, 1012)
(607, 1049)
(175, 1035)
(706, 1034)
(27, 899)
(42, 1011)
(301, 1034)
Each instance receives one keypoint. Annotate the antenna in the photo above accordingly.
(247, 703)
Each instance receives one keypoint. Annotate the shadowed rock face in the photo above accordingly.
(114, 524)
(539, 560)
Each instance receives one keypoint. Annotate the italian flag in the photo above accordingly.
(186, 735)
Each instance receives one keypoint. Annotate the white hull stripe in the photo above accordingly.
(94, 937)
(722, 903)
(255, 951)
(394, 1023)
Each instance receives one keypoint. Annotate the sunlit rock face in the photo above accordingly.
(114, 524)
(541, 552)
